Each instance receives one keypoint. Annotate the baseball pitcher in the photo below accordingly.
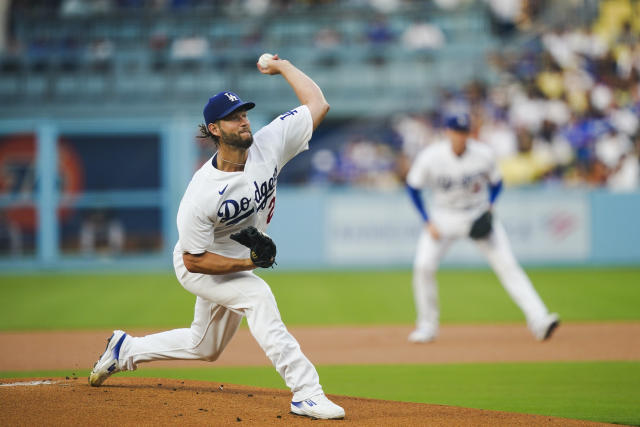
(222, 220)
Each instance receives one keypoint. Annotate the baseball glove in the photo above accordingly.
(263, 250)
(481, 227)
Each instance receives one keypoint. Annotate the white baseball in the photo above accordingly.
(263, 61)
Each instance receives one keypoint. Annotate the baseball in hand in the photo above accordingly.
(263, 61)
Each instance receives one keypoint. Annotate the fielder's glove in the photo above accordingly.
(263, 250)
(481, 227)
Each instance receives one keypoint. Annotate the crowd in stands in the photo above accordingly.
(565, 111)
(73, 46)
(250, 7)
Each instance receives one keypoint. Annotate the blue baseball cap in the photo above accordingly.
(222, 105)
(458, 121)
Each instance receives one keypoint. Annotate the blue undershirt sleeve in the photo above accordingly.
(494, 190)
(416, 197)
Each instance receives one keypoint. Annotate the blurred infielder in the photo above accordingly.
(465, 182)
(227, 206)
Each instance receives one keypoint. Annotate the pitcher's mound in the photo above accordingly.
(148, 401)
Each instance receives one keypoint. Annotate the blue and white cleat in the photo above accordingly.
(318, 407)
(108, 363)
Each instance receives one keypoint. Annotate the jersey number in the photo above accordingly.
(272, 206)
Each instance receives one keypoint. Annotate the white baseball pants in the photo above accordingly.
(221, 303)
(498, 252)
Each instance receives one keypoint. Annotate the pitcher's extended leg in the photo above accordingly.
(212, 328)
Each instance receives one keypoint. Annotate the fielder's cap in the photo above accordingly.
(458, 121)
(222, 105)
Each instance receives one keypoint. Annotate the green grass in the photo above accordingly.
(596, 391)
(599, 391)
(90, 301)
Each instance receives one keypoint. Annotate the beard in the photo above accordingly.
(240, 140)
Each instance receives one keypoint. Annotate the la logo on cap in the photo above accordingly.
(231, 97)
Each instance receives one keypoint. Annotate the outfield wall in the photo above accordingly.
(343, 229)
(317, 228)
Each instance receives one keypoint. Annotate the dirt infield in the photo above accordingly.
(147, 401)
(352, 345)
(138, 401)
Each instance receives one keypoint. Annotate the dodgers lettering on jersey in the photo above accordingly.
(232, 211)
(218, 203)
(458, 183)
(468, 183)
(265, 190)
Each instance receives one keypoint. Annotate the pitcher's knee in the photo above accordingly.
(204, 346)
(211, 356)
(206, 352)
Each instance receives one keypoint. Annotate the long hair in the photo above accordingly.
(205, 133)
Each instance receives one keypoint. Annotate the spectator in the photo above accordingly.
(423, 36)
(379, 32)
(324, 164)
(385, 6)
(504, 15)
(327, 43)
(557, 44)
(158, 44)
(625, 176)
(500, 136)
(189, 51)
(256, 7)
(379, 36)
(72, 8)
(449, 5)
(368, 163)
(415, 133)
(527, 165)
(596, 174)
(101, 54)
(527, 110)
(39, 53)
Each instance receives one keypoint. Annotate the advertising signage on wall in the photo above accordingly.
(370, 229)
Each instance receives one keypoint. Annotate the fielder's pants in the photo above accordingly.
(497, 250)
(221, 303)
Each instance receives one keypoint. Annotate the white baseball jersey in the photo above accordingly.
(218, 203)
(459, 184)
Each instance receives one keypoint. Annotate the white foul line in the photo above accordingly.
(29, 383)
